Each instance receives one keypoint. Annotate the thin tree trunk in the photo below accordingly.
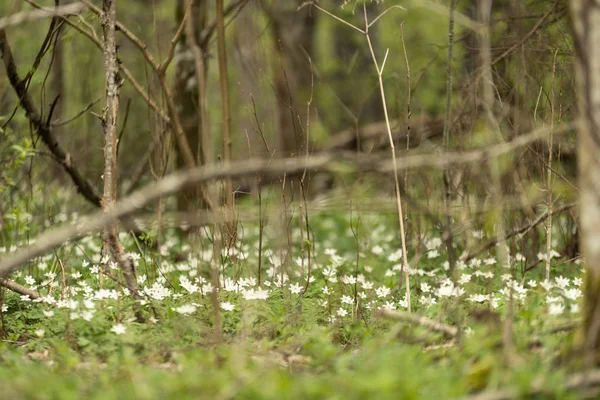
(293, 32)
(109, 122)
(190, 86)
(228, 197)
(586, 23)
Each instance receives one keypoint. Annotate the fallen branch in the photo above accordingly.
(15, 287)
(427, 323)
(338, 162)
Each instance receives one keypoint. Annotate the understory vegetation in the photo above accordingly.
(282, 337)
(290, 199)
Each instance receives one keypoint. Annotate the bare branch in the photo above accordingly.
(338, 162)
(83, 185)
(15, 287)
(28, 16)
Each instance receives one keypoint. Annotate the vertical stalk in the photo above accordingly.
(109, 123)
(448, 239)
(485, 10)
(549, 176)
(228, 196)
(393, 150)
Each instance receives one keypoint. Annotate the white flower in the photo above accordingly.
(475, 263)
(341, 312)
(40, 332)
(477, 298)
(447, 289)
(382, 292)
(30, 280)
(186, 309)
(425, 287)
(427, 300)
(157, 291)
(490, 261)
(377, 250)
(574, 308)
(431, 254)
(573, 294)
(89, 304)
(556, 309)
(227, 306)
(185, 283)
(258, 294)
(118, 329)
(326, 290)
(388, 306)
(295, 288)
(546, 284)
(464, 278)
(562, 282)
(347, 300)
(433, 243)
(48, 313)
(330, 252)
(395, 256)
(367, 285)
(208, 287)
(532, 283)
(87, 315)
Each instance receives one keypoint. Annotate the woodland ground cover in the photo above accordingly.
(454, 271)
(282, 337)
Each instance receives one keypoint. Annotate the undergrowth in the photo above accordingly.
(81, 337)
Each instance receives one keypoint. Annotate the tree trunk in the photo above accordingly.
(293, 32)
(109, 122)
(586, 26)
(189, 86)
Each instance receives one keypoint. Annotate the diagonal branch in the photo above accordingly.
(15, 287)
(28, 16)
(41, 127)
(337, 162)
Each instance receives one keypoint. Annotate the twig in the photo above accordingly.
(519, 231)
(79, 114)
(28, 16)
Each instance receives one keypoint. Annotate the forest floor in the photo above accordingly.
(281, 337)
